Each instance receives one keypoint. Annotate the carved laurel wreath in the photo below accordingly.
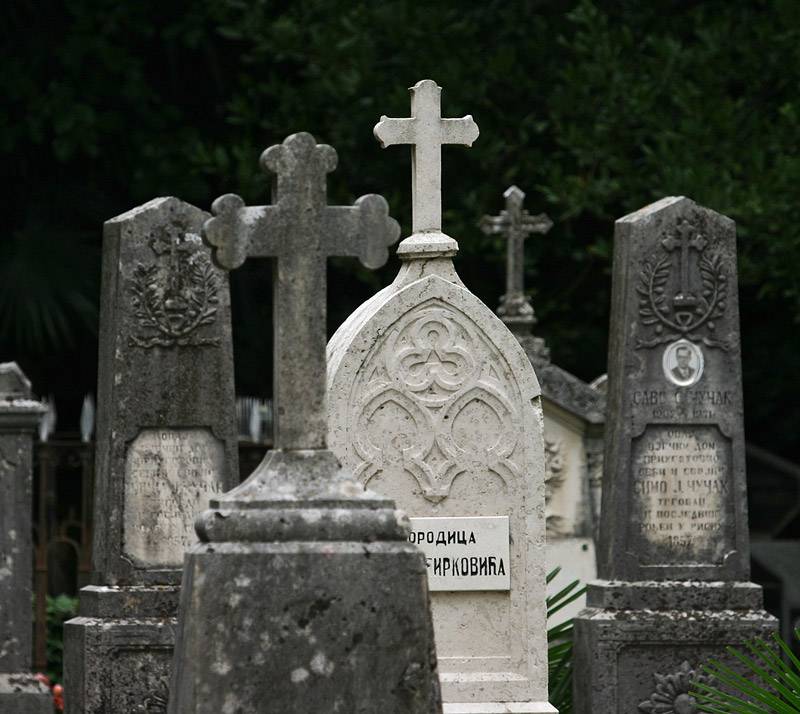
(199, 297)
(671, 324)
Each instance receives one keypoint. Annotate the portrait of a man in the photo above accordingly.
(684, 371)
(683, 363)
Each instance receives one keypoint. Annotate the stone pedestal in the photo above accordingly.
(304, 596)
(20, 692)
(640, 645)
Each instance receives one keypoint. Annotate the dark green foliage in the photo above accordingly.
(593, 108)
(59, 610)
(771, 687)
(559, 641)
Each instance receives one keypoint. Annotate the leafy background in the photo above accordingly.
(593, 108)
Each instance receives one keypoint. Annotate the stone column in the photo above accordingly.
(20, 692)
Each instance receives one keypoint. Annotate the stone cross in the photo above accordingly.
(426, 131)
(300, 231)
(685, 238)
(19, 417)
(515, 223)
(347, 607)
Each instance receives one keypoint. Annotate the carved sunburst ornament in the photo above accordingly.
(672, 692)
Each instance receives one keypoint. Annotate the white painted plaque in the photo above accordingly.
(464, 553)
(170, 474)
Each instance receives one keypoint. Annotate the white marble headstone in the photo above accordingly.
(434, 404)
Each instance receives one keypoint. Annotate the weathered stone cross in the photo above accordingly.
(516, 224)
(426, 131)
(686, 238)
(300, 231)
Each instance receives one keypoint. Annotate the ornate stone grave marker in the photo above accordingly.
(166, 441)
(573, 414)
(304, 594)
(20, 692)
(434, 404)
(673, 555)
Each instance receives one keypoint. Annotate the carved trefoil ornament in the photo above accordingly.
(437, 376)
(176, 294)
(553, 479)
(672, 694)
(682, 290)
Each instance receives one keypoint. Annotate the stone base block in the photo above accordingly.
(312, 627)
(499, 708)
(618, 653)
(117, 666)
(24, 694)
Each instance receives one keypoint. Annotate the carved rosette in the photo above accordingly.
(672, 693)
(437, 403)
(175, 294)
(682, 289)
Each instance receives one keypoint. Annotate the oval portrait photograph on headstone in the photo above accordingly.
(683, 363)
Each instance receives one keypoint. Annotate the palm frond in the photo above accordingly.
(771, 684)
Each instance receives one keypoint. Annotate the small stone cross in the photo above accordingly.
(426, 131)
(516, 224)
(300, 231)
(686, 237)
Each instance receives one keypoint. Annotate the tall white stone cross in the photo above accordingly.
(426, 131)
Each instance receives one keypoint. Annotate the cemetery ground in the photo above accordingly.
(516, 436)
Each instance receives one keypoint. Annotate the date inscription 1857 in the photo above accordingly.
(682, 501)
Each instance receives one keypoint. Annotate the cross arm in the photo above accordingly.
(492, 225)
(237, 232)
(390, 132)
(540, 223)
(459, 131)
(364, 230)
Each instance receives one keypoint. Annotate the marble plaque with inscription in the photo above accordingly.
(680, 505)
(464, 553)
(170, 474)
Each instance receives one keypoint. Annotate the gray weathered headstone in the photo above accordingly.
(434, 404)
(304, 594)
(20, 692)
(166, 441)
(673, 555)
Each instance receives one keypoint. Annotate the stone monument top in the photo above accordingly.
(427, 132)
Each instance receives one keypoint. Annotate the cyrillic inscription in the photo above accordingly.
(169, 476)
(682, 500)
(464, 553)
